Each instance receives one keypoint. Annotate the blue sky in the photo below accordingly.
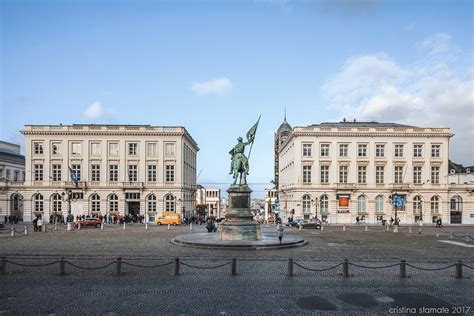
(215, 66)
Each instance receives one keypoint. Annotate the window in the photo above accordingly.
(398, 151)
(38, 203)
(379, 204)
(343, 174)
(417, 151)
(306, 204)
(56, 172)
(95, 149)
(169, 173)
(56, 148)
(417, 174)
(362, 174)
(95, 173)
(343, 149)
(113, 203)
(113, 173)
(361, 204)
(324, 174)
(324, 150)
(132, 149)
(324, 204)
(38, 172)
(435, 149)
(16, 175)
(456, 204)
(76, 169)
(435, 205)
(379, 174)
(152, 149)
(38, 148)
(306, 150)
(152, 173)
(435, 175)
(57, 203)
(170, 205)
(306, 174)
(95, 203)
(417, 205)
(379, 150)
(113, 149)
(8, 174)
(398, 176)
(362, 150)
(76, 148)
(151, 205)
(169, 149)
(132, 173)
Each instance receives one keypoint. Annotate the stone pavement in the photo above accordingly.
(261, 286)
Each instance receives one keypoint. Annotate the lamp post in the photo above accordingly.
(315, 203)
(67, 197)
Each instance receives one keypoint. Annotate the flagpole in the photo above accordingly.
(251, 145)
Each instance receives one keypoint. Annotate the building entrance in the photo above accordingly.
(133, 208)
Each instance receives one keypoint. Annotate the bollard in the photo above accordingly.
(191, 226)
(55, 226)
(3, 268)
(26, 230)
(388, 228)
(44, 228)
(300, 227)
(343, 228)
(409, 229)
(419, 231)
(403, 269)
(466, 238)
(69, 226)
(79, 225)
(102, 226)
(176, 266)
(146, 226)
(395, 229)
(62, 266)
(290, 267)
(12, 233)
(123, 225)
(119, 266)
(345, 268)
(234, 266)
(322, 227)
(437, 234)
(459, 269)
(168, 226)
(451, 235)
(366, 229)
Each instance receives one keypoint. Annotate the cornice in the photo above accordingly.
(373, 134)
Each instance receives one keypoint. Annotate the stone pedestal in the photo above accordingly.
(239, 223)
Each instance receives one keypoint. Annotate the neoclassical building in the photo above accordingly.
(342, 170)
(210, 197)
(12, 175)
(119, 169)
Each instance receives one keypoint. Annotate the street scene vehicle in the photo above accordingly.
(293, 222)
(312, 223)
(89, 221)
(169, 218)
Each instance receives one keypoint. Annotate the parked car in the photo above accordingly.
(312, 223)
(293, 222)
(89, 221)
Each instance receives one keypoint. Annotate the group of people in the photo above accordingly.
(114, 219)
(38, 224)
(12, 219)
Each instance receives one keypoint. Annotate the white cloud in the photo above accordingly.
(430, 92)
(218, 86)
(96, 111)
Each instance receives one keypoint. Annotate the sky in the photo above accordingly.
(215, 66)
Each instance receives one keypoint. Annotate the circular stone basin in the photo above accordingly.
(209, 241)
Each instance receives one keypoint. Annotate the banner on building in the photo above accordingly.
(343, 203)
(399, 202)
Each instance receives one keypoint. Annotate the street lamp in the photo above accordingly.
(315, 203)
(67, 198)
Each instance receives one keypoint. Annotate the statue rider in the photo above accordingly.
(238, 153)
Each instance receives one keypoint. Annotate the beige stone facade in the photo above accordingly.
(211, 198)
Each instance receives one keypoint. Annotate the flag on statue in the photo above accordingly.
(252, 131)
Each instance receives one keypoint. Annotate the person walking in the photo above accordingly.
(357, 220)
(40, 224)
(280, 230)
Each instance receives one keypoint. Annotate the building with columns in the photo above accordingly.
(120, 169)
(12, 175)
(376, 171)
(210, 197)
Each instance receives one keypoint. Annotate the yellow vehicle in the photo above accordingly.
(169, 218)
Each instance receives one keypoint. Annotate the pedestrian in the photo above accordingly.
(40, 223)
(357, 220)
(391, 221)
(280, 230)
(35, 224)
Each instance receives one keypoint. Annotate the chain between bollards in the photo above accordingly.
(403, 269)
(290, 267)
(345, 268)
(234, 266)
(176, 266)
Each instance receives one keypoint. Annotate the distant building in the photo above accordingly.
(271, 206)
(461, 189)
(12, 175)
(280, 137)
(342, 170)
(210, 198)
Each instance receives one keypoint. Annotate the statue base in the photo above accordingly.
(239, 223)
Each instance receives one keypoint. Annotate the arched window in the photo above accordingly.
(151, 205)
(456, 204)
(113, 203)
(379, 204)
(38, 203)
(306, 203)
(170, 205)
(324, 204)
(435, 205)
(417, 205)
(57, 205)
(95, 203)
(361, 204)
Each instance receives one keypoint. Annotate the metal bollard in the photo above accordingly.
(3, 268)
(388, 228)
(146, 226)
(234, 266)
(419, 231)
(26, 230)
(55, 226)
(403, 269)
(169, 226)
(395, 229)
(322, 227)
(119, 266)
(290, 267)
(345, 268)
(12, 233)
(123, 225)
(79, 225)
(459, 269)
(69, 226)
(451, 235)
(366, 228)
(176, 266)
(343, 228)
(191, 226)
(62, 266)
(44, 228)
(437, 234)
(102, 226)
(300, 227)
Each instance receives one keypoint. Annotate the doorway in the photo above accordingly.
(133, 208)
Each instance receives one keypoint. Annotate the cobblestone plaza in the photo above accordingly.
(261, 285)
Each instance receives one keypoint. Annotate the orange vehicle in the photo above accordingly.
(169, 218)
